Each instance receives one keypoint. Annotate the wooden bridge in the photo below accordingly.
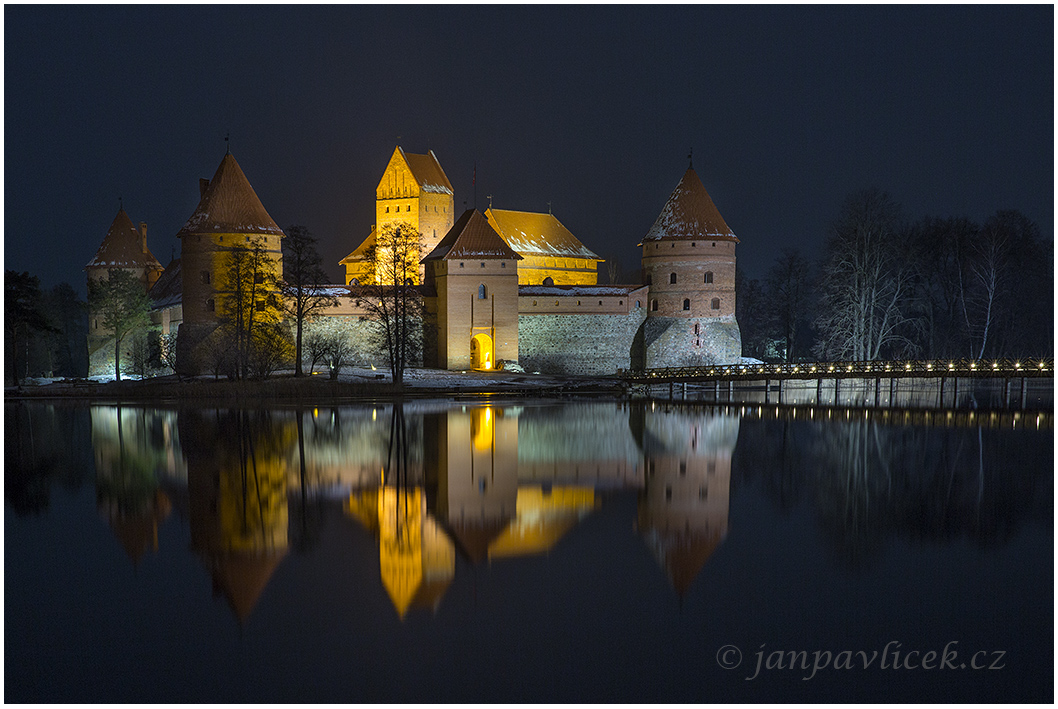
(939, 376)
(1007, 368)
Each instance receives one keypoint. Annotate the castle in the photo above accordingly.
(497, 286)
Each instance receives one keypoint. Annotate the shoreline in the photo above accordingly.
(286, 388)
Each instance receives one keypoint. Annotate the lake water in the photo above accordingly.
(525, 551)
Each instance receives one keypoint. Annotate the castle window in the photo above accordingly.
(578, 302)
(503, 264)
(258, 278)
(534, 303)
(672, 278)
(716, 304)
(696, 328)
(483, 292)
(668, 493)
(483, 264)
(703, 494)
(639, 304)
(461, 264)
(247, 239)
(686, 304)
(211, 305)
(693, 244)
(354, 282)
(620, 302)
(708, 276)
(654, 305)
(549, 281)
(600, 302)
(408, 208)
(398, 207)
(650, 280)
(205, 277)
(683, 467)
(714, 244)
(387, 210)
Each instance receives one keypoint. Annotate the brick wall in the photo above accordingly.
(675, 342)
(567, 343)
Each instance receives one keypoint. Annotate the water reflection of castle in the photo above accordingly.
(486, 483)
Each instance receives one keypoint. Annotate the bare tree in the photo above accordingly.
(392, 301)
(788, 288)
(866, 284)
(250, 307)
(303, 284)
(613, 270)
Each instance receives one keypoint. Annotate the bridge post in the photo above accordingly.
(877, 390)
(955, 392)
(671, 386)
(685, 391)
(892, 391)
(940, 397)
(819, 391)
(730, 389)
(767, 391)
(1024, 392)
(716, 390)
(1006, 393)
(837, 389)
(780, 390)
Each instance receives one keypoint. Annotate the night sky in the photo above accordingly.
(593, 109)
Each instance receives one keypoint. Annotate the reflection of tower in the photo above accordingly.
(237, 485)
(127, 493)
(473, 466)
(416, 558)
(683, 510)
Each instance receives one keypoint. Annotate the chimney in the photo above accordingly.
(203, 185)
(143, 235)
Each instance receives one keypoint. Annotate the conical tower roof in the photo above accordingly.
(230, 206)
(123, 247)
(690, 214)
(472, 237)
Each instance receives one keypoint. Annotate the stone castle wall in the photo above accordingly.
(578, 343)
(691, 342)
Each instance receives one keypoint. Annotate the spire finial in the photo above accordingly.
(121, 203)
(227, 145)
(549, 208)
(489, 197)
(690, 160)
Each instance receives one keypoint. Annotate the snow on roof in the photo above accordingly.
(427, 172)
(168, 290)
(581, 291)
(690, 214)
(537, 234)
(124, 247)
(472, 237)
(230, 206)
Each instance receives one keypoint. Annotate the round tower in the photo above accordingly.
(689, 265)
(229, 216)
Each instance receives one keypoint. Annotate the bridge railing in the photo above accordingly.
(982, 368)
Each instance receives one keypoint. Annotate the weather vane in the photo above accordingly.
(690, 159)
(227, 145)
(549, 208)
(489, 198)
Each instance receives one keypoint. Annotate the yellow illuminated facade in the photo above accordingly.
(551, 255)
(414, 190)
(416, 557)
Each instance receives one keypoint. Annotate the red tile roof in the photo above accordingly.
(427, 171)
(230, 206)
(472, 237)
(123, 247)
(537, 234)
(690, 214)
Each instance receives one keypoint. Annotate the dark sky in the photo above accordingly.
(788, 109)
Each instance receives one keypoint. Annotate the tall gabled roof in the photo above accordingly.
(472, 237)
(168, 290)
(230, 206)
(426, 169)
(537, 234)
(428, 172)
(690, 214)
(123, 247)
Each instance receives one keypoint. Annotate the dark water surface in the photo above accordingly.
(524, 551)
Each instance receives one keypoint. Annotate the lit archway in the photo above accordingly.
(482, 354)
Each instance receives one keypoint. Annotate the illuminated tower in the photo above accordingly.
(124, 248)
(415, 190)
(475, 273)
(229, 216)
(689, 265)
